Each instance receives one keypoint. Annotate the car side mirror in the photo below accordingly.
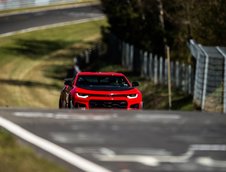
(135, 84)
(68, 81)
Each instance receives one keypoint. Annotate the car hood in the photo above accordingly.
(107, 91)
(106, 88)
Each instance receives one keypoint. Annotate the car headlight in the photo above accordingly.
(132, 96)
(84, 96)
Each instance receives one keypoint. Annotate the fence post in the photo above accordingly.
(127, 55)
(197, 72)
(183, 78)
(123, 54)
(177, 74)
(205, 77)
(169, 77)
(189, 79)
(151, 66)
(166, 72)
(131, 58)
(87, 56)
(141, 54)
(156, 70)
(224, 98)
(186, 79)
(160, 70)
(144, 64)
(148, 66)
(172, 68)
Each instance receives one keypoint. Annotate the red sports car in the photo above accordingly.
(100, 90)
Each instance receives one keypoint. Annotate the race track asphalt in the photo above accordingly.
(17, 22)
(130, 141)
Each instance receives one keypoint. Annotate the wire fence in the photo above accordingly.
(156, 68)
(13, 4)
(142, 63)
(210, 77)
(207, 82)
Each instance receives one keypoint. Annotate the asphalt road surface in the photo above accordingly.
(27, 20)
(126, 141)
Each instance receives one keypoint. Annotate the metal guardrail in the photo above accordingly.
(14, 4)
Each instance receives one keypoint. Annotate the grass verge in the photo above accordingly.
(16, 157)
(33, 65)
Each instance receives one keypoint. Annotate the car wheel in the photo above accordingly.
(62, 104)
(70, 103)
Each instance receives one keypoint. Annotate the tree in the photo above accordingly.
(208, 22)
(138, 22)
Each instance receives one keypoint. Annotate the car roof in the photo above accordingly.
(101, 73)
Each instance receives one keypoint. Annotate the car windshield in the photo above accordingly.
(102, 81)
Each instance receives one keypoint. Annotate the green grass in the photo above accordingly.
(32, 68)
(33, 65)
(15, 157)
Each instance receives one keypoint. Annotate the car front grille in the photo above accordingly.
(112, 104)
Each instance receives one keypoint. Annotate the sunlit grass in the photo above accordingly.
(32, 68)
(33, 65)
(15, 157)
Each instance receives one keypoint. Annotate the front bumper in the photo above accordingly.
(108, 103)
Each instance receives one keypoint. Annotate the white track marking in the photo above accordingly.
(98, 117)
(153, 160)
(146, 160)
(52, 148)
(208, 147)
(77, 138)
(107, 151)
(51, 26)
(78, 117)
(156, 117)
(209, 162)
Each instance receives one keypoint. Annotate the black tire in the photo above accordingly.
(62, 104)
(70, 103)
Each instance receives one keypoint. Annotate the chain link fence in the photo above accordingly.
(210, 77)
(155, 68)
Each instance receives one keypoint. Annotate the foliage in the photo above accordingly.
(208, 21)
(138, 22)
